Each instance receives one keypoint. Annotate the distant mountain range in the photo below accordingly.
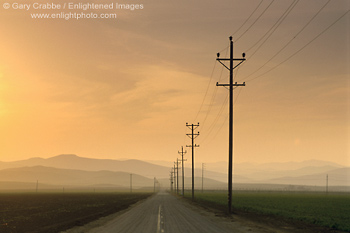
(57, 178)
(68, 177)
(74, 170)
(70, 161)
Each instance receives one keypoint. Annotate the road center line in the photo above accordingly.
(159, 218)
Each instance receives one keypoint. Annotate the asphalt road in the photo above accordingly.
(164, 213)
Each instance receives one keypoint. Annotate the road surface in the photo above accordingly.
(164, 213)
(161, 213)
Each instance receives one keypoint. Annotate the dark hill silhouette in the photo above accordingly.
(56, 176)
(70, 161)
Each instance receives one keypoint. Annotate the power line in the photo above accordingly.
(235, 101)
(307, 44)
(216, 119)
(288, 43)
(274, 28)
(223, 123)
(247, 21)
(206, 91)
(212, 99)
(248, 17)
(236, 40)
(211, 127)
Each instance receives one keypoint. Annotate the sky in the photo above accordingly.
(125, 88)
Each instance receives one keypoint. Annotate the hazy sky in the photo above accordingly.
(125, 87)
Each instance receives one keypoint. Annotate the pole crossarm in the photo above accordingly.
(228, 59)
(182, 153)
(195, 145)
(192, 126)
(234, 85)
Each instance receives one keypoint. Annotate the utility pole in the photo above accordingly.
(37, 186)
(327, 184)
(192, 135)
(177, 175)
(231, 85)
(155, 181)
(174, 178)
(183, 170)
(202, 175)
(171, 180)
(131, 183)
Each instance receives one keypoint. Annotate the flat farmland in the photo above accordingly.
(54, 212)
(326, 210)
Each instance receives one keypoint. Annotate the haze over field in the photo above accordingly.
(125, 87)
(74, 171)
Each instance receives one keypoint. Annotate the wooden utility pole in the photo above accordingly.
(202, 175)
(171, 180)
(177, 175)
(174, 178)
(155, 181)
(192, 135)
(131, 183)
(183, 170)
(231, 85)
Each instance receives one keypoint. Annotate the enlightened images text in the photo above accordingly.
(76, 6)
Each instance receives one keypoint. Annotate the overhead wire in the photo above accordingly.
(221, 109)
(273, 28)
(299, 50)
(211, 101)
(256, 8)
(236, 40)
(211, 127)
(226, 119)
(294, 37)
(206, 91)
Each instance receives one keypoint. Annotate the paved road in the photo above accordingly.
(163, 213)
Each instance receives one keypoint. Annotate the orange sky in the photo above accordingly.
(125, 88)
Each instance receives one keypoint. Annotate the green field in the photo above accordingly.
(332, 210)
(54, 212)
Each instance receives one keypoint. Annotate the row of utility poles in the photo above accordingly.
(193, 127)
(174, 174)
